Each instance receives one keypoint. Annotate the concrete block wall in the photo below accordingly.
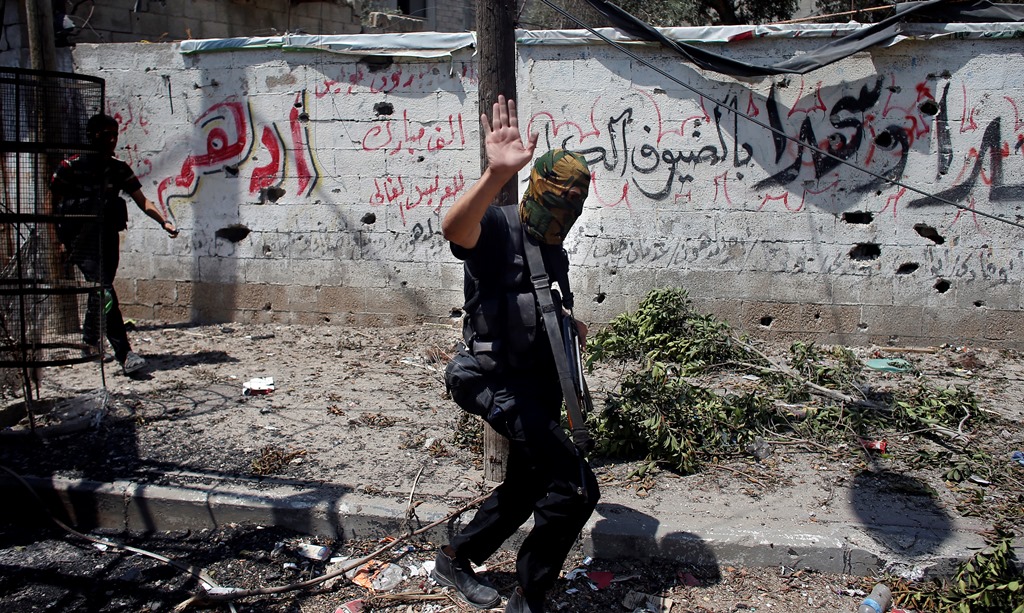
(106, 21)
(310, 187)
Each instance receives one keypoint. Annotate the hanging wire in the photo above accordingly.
(774, 130)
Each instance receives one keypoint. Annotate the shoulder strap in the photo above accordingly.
(542, 290)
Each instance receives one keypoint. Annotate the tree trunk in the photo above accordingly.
(496, 49)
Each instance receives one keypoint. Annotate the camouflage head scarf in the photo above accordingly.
(559, 182)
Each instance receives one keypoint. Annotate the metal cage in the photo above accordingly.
(43, 118)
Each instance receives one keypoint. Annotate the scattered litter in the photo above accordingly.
(1018, 457)
(337, 563)
(688, 579)
(352, 606)
(635, 601)
(575, 574)
(257, 386)
(572, 591)
(979, 480)
(223, 591)
(313, 552)
(381, 577)
(100, 546)
(874, 445)
(889, 365)
(751, 377)
(290, 566)
(601, 578)
(388, 578)
(760, 449)
(795, 411)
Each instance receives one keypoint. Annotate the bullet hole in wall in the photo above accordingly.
(979, 303)
(767, 320)
(267, 251)
(231, 170)
(929, 232)
(303, 116)
(599, 298)
(884, 140)
(297, 104)
(929, 107)
(858, 217)
(942, 286)
(377, 63)
(369, 218)
(455, 313)
(865, 252)
(273, 194)
(906, 269)
(862, 326)
(817, 316)
(384, 108)
(233, 233)
(268, 307)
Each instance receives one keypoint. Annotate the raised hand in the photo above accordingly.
(506, 151)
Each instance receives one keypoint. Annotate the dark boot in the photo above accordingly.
(520, 603)
(457, 573)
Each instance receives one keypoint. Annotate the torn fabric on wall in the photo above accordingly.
(882, 33)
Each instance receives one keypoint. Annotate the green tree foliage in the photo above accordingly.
(662, 13)
(862, 11)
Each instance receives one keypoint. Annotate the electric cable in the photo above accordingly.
(812, 147)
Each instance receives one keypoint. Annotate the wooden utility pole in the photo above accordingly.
(496, 53)
(39, 29)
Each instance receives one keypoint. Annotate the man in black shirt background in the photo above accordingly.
(90, 184)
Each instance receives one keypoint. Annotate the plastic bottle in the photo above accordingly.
(877, 601)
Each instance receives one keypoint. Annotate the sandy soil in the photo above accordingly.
(367, 408)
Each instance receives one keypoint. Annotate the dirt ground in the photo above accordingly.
(366, 407)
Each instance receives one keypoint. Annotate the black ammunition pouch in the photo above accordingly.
(90, 211)
(467, 383)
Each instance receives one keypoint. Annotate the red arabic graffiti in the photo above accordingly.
(270, 173)
(433, 194)
(225, 126)
(305, 166)
(415, 139)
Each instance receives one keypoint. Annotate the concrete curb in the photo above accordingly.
(614, 531)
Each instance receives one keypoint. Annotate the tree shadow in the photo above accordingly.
(900, 512)
(622, 532)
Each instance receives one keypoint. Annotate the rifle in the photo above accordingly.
(574, 357)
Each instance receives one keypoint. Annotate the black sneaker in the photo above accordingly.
(520, 603)
(458, 574)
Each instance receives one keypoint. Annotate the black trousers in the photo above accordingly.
(98, 257)
(545, 477)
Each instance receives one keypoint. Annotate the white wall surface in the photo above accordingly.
(341, 170)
